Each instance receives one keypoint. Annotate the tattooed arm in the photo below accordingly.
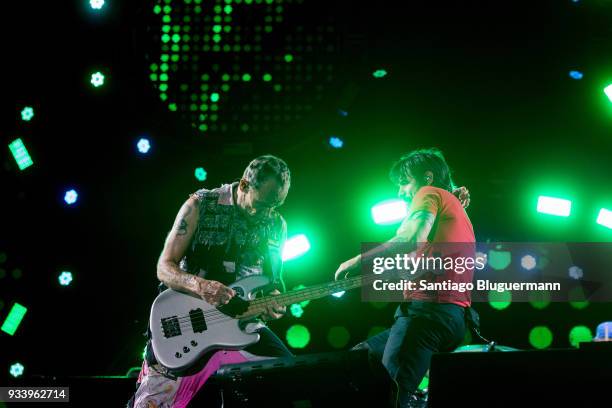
(177, 242)
(414, 229)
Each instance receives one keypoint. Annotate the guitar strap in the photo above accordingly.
(273, 262)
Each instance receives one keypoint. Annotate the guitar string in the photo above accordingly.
(309, 291)
(217, 315)
(188, 326)
(348, 284)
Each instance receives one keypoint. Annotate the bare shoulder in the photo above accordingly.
(190, 209)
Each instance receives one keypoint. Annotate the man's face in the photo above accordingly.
(408, 188)
(259, 202)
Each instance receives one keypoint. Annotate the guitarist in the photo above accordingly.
(218, 237)
(432, 321)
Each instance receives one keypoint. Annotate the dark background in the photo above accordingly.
(486, 82)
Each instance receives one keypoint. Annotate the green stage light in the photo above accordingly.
(65, 278)
(608, 92)
(389, 212)
(16, 370)
(187, 35)
(296, 310)
(338, 336)
(298, 336)
(96, 4)
(20, 154)
(499, 260)
(200, 174)
(214, 97)
(499, 300)
(605, 218)
(97, 79)
(554, 206)
(580, 334)
(540, 337)
(577, 298)
(295, 246)
(14, 318)
(27, 113)
(380, 73)
(539, 299)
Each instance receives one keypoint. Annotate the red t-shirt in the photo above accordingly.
(451, 225)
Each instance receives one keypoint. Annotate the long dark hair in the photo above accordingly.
(417, 162)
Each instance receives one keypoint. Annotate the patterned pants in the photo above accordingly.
(157, 391)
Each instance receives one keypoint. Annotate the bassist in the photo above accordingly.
(220, 236)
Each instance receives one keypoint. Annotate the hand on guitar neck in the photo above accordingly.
(274, 310)
(347, 267)
(214, 292)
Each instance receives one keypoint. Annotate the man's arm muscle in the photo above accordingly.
(176, 246)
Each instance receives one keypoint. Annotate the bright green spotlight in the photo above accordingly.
(14, 318)
(20, 154)
(214, 97)
(608, 92)
(499, 260)
(96, 4)
(605, 218)
(65, 278)
(97, 79)
(288, 57)
(200, 174)
(580, 334)
(540, 337)
(554, 206)
(389, 212)
(16, 370)
(296, 310)
(577, 298)
(27, 113)
(499, 300)
(380, 73)
(296, 246)
(298, 336)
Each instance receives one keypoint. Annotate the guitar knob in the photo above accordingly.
(194, 343)
(178, 355)
(185, 349)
